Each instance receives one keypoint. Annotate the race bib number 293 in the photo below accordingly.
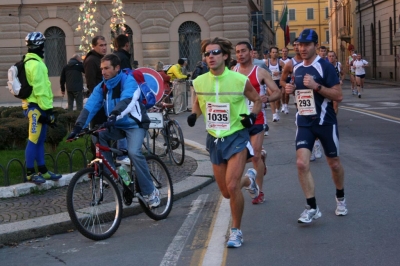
(217, 116)
(305, 102)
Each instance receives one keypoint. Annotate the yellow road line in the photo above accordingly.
(375, 114)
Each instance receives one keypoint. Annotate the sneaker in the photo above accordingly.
(354, 92)
(317, 148)
(341, 209)
(235, 239)
(153, 200)
(263, 158)
(308, 215)
(266, 133)
(283, 109)
(37, 179)
(359, 95)
(50, 176)
(126, 161)
(312, 157)
(286, 110)
(275, 117)
(253, 188)
(260, 199)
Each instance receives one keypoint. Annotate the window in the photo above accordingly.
(189, 43)
(310, 13)
(379, 38)
(292, 36)
(276, 15)
(363, 40)
(327, 36)
(55, 52)
(390, 36)
(292, 14)
(326, 13)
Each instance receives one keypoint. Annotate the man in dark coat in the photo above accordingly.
(121, 45)
(93, 73)
(71, 76)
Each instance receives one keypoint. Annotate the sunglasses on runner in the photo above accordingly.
(213, 52)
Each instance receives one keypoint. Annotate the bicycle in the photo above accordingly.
(94, 198)
(172, 142)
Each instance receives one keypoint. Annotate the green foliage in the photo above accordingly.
(18, 133)
(6, 111)
(68, 119)
(55, 135)
(4, 132)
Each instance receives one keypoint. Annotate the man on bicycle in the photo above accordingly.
(115, 92)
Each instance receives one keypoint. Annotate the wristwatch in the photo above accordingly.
(319, 87)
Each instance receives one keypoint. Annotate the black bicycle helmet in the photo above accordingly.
(34, 39)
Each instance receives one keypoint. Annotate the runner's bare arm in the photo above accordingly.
(287, 69)
(273, 90)
(196, 108)
(253, 96)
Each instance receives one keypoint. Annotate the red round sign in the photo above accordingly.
(154, 80)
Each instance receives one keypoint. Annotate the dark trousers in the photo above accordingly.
(78, 97)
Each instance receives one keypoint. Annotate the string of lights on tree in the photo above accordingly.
(87, 22)
(117, 19)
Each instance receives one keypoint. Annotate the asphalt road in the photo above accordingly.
(369, 150)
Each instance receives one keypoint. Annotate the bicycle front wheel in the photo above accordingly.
(162, 181)
(95, 207)
(176, 142)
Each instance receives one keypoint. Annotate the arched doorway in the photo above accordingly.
(128, 31)
(55, 51)
(189, 43)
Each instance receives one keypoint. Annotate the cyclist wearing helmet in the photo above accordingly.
(38, 107)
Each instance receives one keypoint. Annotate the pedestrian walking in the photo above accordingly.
(71, 77)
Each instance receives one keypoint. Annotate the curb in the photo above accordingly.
(15, 232)
(61, 223)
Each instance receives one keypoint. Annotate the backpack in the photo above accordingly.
(17, 83)
(200, 70)
(147, 96)
(166, 68)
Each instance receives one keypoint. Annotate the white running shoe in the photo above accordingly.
(124, 161)
(266, 133)
(341, 209)
(253, 188)
(286, 109)
(235, 239)
(275, 117)
(317, 149)
(153, 200)
(308, 215)
(312, 157)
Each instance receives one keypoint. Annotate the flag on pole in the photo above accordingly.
(284, 23)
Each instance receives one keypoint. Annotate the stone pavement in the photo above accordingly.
(45, 212)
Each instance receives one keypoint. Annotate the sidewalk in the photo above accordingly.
(45, 212)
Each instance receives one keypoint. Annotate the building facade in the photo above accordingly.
(369, 27)
(313, 14)
(159, 30)
(376, 22)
